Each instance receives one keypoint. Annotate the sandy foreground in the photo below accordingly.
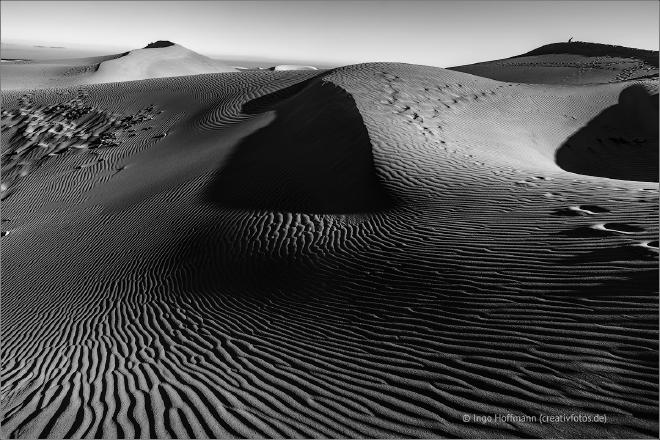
(378, 250)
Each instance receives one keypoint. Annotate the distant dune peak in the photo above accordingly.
(570, 63)
(159, 44)
(595, 50)
(169, 60)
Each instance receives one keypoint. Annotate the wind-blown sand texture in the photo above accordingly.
(371, 251)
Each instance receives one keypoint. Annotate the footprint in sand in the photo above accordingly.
(88, 164)
(118, 170)
(551, 195)
(601, 230)
(620, 228)
(593, 209)
(580, 210)
(652, 245)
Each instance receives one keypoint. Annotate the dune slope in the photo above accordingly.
(374, 251)
(158, 60)
(570, 63)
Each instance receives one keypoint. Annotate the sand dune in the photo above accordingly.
(28, 74)
(44, 52)
(571, 63)
(371, 251)
(157, 60)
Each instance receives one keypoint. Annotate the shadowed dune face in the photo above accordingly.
(315, 157)
(619, 143)
(269, 101)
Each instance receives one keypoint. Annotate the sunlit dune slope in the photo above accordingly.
(157, 62)
(570, 63)
(153, 61)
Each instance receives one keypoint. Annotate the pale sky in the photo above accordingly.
(437, 33)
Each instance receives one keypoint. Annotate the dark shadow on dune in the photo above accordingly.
(643, 282)
(566, 212)
(618, 253)
(315, 157)
(619, 143)
(611, 229)
(207, 268)
(272, 100)
(238, 258)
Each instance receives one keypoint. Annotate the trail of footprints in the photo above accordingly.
(447, 94)
(430, 100)
(603, 229)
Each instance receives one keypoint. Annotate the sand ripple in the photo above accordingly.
(475, 288)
